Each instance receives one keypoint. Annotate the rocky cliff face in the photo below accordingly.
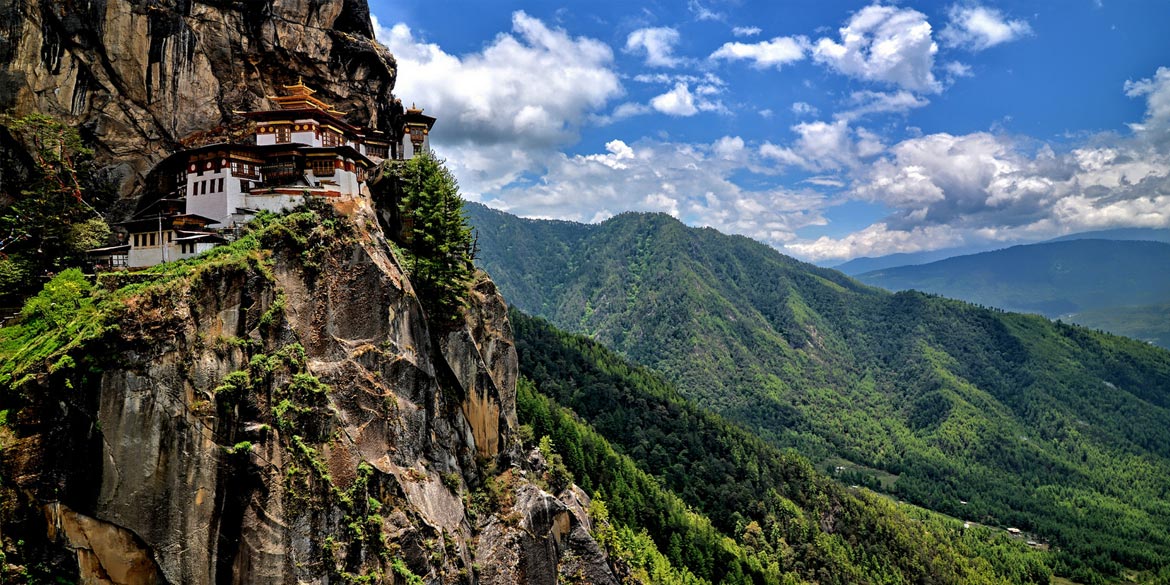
(137, 76)
(281, 412)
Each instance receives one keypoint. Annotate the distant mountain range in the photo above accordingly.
(867, 264)
(996, 417)
(1147, 234)
(1086, 281)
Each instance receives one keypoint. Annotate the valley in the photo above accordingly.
(1014, 414)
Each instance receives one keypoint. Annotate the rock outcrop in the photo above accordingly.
(138, 76)
(285, 414)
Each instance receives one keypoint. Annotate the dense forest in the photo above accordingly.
(772, 516)
(1002, 419)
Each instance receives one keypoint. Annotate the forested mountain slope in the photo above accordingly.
(1046, 427)
(772, 516)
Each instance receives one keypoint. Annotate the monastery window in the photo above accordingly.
(329, 138)
(283, 134)
(245, 186)
(170, 237)
(376, 150)
(153, 242)
(322, 168)
(136, 242)
(220, 185)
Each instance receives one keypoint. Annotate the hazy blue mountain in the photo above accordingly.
(1054, 279)
(868, 264)
(1149, 234)
(862, 265)
(1149, 323)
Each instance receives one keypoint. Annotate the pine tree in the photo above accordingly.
(439, 237)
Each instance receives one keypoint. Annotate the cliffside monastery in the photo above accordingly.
(303, 148)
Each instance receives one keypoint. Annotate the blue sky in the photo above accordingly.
(828, 129)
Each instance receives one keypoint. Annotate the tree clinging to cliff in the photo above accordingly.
(438, 235)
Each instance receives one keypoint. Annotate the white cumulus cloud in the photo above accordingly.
(776, 53)
(804, 109)
(746, 31)
(884, 44)
(1156, 90)
(862, 103)
(656, 43)
(976, 28)
(496, 119)
(825, 146)
(945, 190)
(692, 182)
(676, 102)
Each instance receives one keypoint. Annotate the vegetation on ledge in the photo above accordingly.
(51, 202)
(56, 327)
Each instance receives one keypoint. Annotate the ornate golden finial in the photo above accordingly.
(300, 89)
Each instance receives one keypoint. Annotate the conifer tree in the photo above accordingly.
(438, 235)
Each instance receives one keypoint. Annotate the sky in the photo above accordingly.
(828, 129)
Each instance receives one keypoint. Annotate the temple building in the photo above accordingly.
(416, 131)
(302, 148)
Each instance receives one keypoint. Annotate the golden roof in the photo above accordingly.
(300, 97)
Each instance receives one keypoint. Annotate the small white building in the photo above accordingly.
(165, 238)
